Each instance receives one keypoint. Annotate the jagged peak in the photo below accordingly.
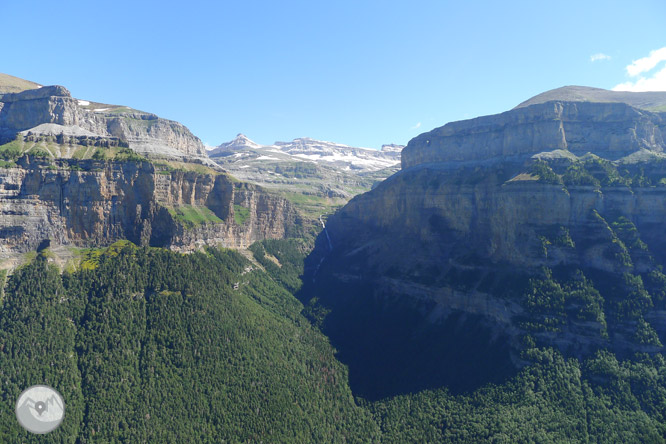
(651, 100)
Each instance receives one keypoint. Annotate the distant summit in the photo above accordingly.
(239, 143)
(651, 101)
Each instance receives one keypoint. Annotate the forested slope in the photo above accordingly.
(148, 345)
(152, 346)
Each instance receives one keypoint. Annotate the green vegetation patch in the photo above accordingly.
(169, 166)
(91, 256)
(191, 215)
(12, 150)
(313, 206)
(290, 253)
(241, 214)
(545, 173)
(128, 155)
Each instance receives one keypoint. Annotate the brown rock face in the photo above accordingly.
(89, 203)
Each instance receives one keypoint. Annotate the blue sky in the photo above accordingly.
(363, 73)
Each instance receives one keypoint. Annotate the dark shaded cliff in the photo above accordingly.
(541, 226)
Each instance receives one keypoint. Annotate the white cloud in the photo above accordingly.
(417, 126)
(647, 63)
(599, 56)
(653, 82)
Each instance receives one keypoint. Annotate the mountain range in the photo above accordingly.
(500, 279)
(323, 174)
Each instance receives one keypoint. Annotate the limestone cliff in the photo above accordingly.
(539, 226)
(609, 130)
(51, 109)
(94, 203)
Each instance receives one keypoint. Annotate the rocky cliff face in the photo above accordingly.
(89, 203)
(609, 130)
(145, 133)
(539, 226)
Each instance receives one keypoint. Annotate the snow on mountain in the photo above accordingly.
(355, 159)
(241, 142)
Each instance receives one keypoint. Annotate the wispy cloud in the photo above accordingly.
(656, 81)
(417, 126)
(599, 57)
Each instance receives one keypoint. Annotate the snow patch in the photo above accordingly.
(83, 103)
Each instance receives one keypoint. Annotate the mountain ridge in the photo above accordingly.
(11, 84)
(650, 101)
(309, 149)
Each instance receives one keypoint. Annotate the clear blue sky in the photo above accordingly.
(357, 72)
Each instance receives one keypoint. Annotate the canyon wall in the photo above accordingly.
(94, 203)
(608, 130)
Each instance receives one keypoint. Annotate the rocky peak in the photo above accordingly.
(239, 143)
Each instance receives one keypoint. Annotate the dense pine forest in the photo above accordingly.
(148, 345)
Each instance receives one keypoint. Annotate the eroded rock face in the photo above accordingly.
(145, 133)
(609, 130)
(88, 203)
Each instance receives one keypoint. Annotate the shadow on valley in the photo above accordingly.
(388, 343)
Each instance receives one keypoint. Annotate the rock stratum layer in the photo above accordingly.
(538, 226)
(94, 203)
(28, 112)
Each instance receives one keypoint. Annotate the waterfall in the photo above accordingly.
(330, 246)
